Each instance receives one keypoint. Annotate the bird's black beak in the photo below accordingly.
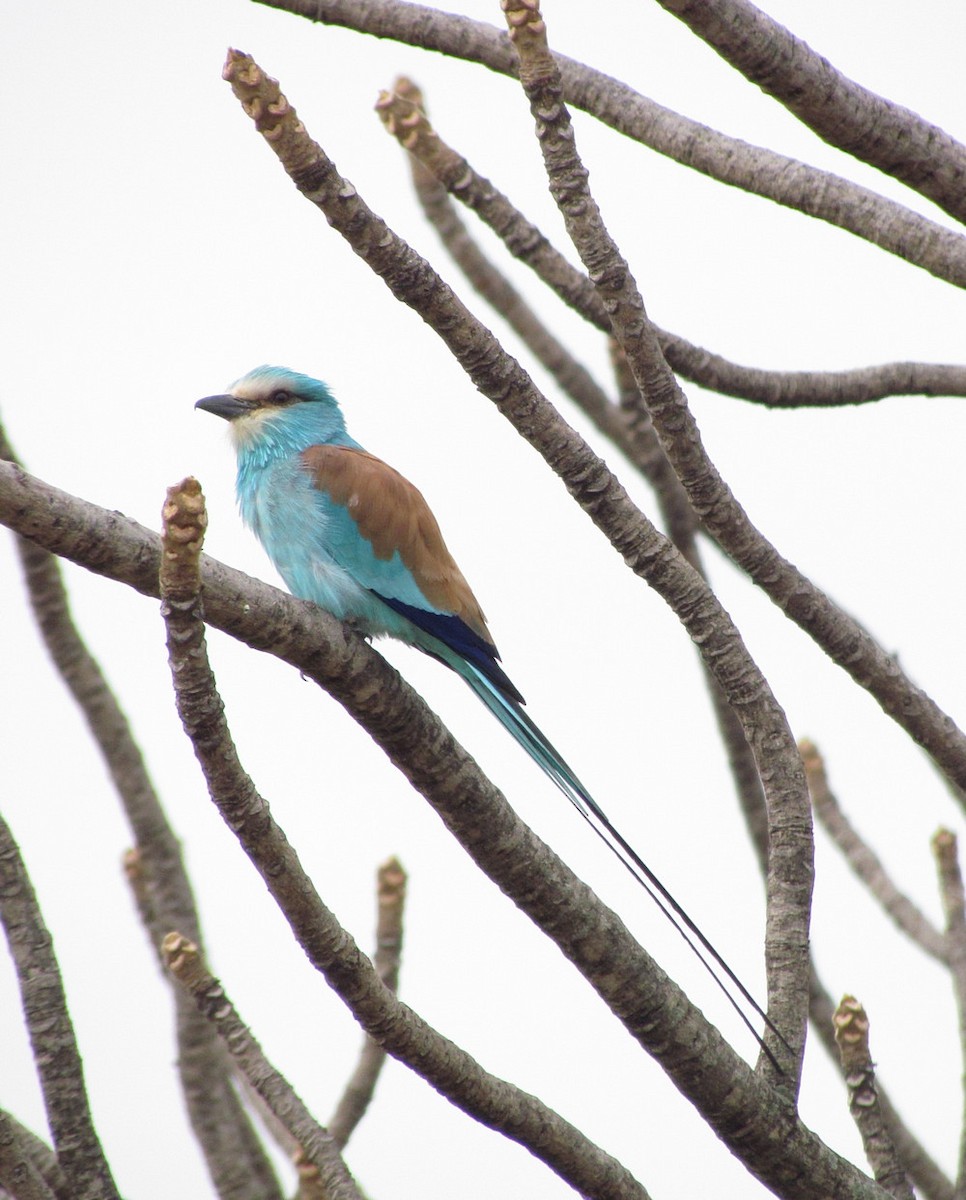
(227, 406)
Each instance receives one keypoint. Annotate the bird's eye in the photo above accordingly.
(281, 397)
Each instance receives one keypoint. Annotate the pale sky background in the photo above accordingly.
(153, 251)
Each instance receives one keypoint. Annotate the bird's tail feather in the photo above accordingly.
(515, 720)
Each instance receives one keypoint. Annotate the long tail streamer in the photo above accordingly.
(516, 721)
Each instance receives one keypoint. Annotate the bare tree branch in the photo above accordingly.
(926, 1174)
(572, 376)
(21, 1176)
(810, 389)
(236, 1160)
(852, 1039)
(237, 1163)
(762, 172)
(954, 906)
(391, 893)
(773, 389)
(161, 865)
(675, 507)
(647, 453)
(843, 113)
(40, 1154)
(55, 1052)
(865, 863)
(187, 968)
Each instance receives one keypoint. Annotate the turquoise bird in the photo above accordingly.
(348, 532)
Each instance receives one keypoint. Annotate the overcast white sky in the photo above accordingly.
(153, 252)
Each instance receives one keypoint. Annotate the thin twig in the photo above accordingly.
(793, 184)
(925, 1173)
(867, 866)
(810, 389)
(852, 1037)
(790, 870)
(954, 907)
(572, 376)
(843, 113)
(52, 1040)
(391, 896)
(187, 967)
(237, 1163)
(402, 116)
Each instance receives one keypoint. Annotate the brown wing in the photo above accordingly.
(392, 516)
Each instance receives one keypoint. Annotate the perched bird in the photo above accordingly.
(350, 533)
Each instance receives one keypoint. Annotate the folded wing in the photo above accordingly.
(403, 559)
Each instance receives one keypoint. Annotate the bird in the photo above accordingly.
(349, 532)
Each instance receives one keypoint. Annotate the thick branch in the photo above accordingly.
(820, 194)
(55, 1052)
(843, 113)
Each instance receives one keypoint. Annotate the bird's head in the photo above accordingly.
(275, 403)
